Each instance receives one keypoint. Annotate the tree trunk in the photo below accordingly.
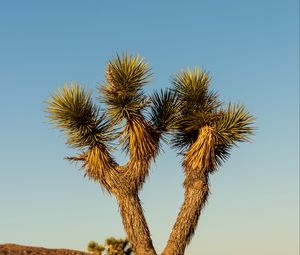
(135, 224)
(196, 193)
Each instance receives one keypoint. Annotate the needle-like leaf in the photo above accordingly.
(123, 90)
(164, 111)
(71, 110)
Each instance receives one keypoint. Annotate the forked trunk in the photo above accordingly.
(135, 224)
(196, 193)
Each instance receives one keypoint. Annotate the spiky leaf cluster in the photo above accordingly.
(201, 108)
(235, 124)
(164, 110)
(71, 109)
(123, 90)
(197, 105)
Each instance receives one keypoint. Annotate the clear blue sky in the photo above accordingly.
(251, 50)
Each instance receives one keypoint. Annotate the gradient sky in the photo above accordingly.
(251, 50)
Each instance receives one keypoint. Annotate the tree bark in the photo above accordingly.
(135, 224)
(196, 193)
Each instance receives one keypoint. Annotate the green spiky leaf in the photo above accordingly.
(71, 110)
(192, 88)
(164, 110)
(235, 124)
(123, 90)
(198, 105)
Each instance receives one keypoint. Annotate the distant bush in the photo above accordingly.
(112, 246)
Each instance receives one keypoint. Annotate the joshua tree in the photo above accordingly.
(130, 115)
(203, 129)
(205, 134)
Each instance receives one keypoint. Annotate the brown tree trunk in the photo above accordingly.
(135, 224)
(196, 193)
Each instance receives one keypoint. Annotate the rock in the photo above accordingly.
(14, 249)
